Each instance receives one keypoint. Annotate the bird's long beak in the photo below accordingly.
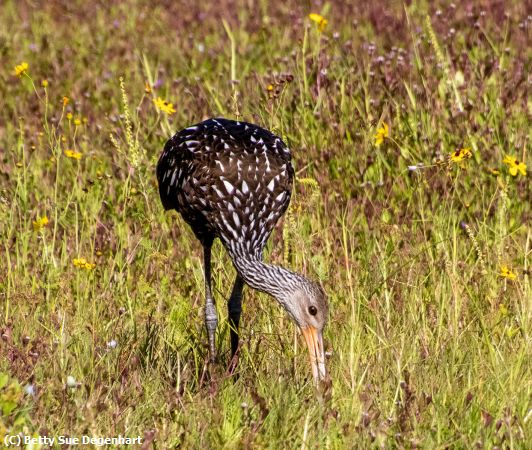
(314, 342)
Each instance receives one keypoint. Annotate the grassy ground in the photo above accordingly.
(425, 258)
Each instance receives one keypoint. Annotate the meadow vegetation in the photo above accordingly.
(410, 130)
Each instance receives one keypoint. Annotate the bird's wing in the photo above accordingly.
(232, 178)
(243, 195)
(174, 166)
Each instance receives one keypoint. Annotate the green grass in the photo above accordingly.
(430, 346)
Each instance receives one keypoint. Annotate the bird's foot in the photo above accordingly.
(210, 374)
(233, 364)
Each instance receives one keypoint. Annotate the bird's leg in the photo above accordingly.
(211, 318)
(235, 308)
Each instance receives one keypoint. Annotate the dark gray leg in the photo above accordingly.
(235, 308)
(211, 318)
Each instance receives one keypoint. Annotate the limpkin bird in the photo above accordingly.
(233, 181)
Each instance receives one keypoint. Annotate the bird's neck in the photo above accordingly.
(274, 280)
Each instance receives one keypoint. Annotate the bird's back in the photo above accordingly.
(228, 179)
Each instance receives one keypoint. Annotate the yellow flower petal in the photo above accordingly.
(164, 106)
(21, 69)
(321, 21)
(506, 272)
(40, 223)
(381, 134)
(72, 154)
(514, 165)
(460, 155)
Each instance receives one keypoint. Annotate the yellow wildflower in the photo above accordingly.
(79, 261)
(515, 166)
(164, 106)
(77, 121)
(147, 88)
(65, 101)
(73, 154)
(40, 223)
(321, 21)
(21, 69)
(69, 116)
(506, 272)
(495, 172)
(44, 83)
(459, 155)
(82, 263)
(381, 134)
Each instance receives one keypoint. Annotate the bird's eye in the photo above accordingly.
(312, 310)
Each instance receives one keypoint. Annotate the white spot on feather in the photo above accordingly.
(245, 188)
(218, 192)
(228, 187)
(236, 219)
(280, 197)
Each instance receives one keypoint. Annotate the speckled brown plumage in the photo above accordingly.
(228, 179)
(233, 181)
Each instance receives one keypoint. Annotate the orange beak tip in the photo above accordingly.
(314, 341)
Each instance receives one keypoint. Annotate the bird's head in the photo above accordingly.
(308, 306)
